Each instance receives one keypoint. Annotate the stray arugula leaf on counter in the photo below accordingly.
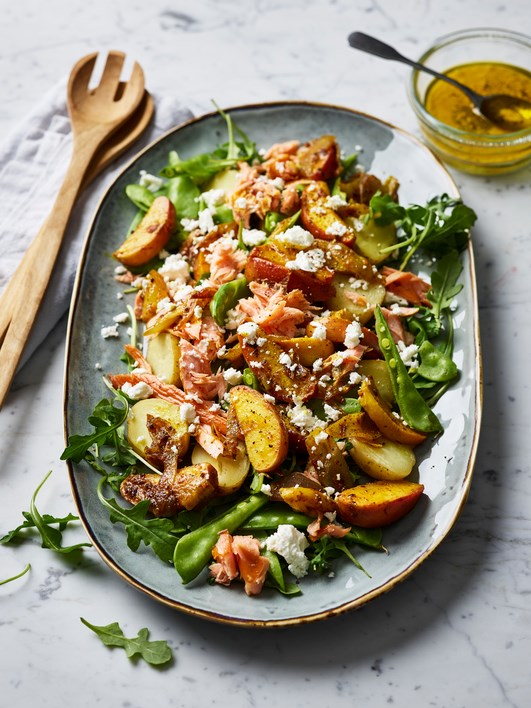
(51, 536)
(16, 577)
(155, 653)
(159, 533)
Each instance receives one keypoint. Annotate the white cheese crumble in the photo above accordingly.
(213, 198)
(321, 436)
(234, 318)
(240, 203)
(138, 391)
(253, 237)
(353, 334)
(335, 201)
(337, 228)
(320, 331)
(119, 296)
(175, 269)
(110, 331)
(187, 413)
(121, 317)
(354, 378)
(248, 330)
(232, 376)
(266, 489)
(309, 261)
(296, 236)
(303, 418)
(120, 270)
(290, 543)
(149, 181)
(331, 413)
(409, 354)
(269, 399)
(206, 221)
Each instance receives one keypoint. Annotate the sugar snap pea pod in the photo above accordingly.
(194, 551)
(226, 298)
(140, 196)
(435, 365)
(269, 519)
(413, 408)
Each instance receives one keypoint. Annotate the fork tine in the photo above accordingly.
(110, 78)
(82, 72)
(134, 84)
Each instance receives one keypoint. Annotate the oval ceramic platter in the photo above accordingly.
(445, 466)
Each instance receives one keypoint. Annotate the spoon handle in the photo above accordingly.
(371, 45)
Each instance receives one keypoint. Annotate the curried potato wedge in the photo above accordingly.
(150, 236)
(378, 503)
(227, 180)
(355, 425)
(305, 349)
(342, 259)
(358, 298)
(137, 431)
(382, 416)
(264, 433)
(371, 239)
(163, 355)
(155, 291)
(378, 371)
(319, 159)
(311, 502)
(328, 460)
(231, 472)
(386, 459)
(336, 326)
(322, 221)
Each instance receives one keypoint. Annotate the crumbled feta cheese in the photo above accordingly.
(266, 489)
(110, 331)
(296, 236)
(260, 341)
(240, 203)
(187, 413)
(318, 364)
(198, 312)
(309, 261)
(189, 224)
(137, 391)
(175, 269)
(121, 318)
(213, 198)
(278, 182)
(353, 334)
(285, 359)
(253, 237)
(331, 413)
(408, 354)
(119, 296)
(319, 332)
(233, 318)
(303, 418)
(151, 182)
(330, 515)
(206, 221)
(248, 330)
(354, 378)
(269, 399)
(335, 201)
(321, 436)
(336, 228)
(232, 376)
(120, 270)
(290, 543)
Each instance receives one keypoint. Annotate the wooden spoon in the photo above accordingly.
(507, 112)
(96, 114)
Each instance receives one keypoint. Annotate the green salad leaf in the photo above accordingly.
(16, 577)
(155, 653)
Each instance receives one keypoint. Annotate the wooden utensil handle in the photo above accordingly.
(37, 269)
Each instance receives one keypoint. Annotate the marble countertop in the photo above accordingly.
(455, 634)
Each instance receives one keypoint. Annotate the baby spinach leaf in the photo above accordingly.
(184, 195)
(153, 652)
(16, 577)
(155, 532)
(141, 197)
(226, 298)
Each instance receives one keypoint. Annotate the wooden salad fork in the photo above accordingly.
(96, 115)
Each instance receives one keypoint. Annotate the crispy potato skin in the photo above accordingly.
(150, 236)
(155, 291)
(231, 471)
(319, 159)
(385, 460)
(306, 349)
(327, 459)
(378, 503)
(311, 502)
(264, 432)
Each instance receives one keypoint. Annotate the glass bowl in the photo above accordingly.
(477, 153)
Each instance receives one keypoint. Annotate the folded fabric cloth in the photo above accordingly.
(33, 163)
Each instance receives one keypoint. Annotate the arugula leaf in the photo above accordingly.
(16, 577)
(51, 537)
(107, 419)
(444, 286)
(384, 210)
(155, 532)
(326, 549)
(153, 652)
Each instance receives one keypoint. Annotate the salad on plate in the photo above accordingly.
(290, 332)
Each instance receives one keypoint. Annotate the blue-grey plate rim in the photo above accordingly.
(459, 494)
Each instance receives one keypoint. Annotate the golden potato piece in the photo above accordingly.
(378, 503)
(336, 326)
(387, 460)
(382, 416)
(163, 355)
(319, 159)
(378, 371)
(155, 291)
(358, 298)
(305, 349)
(231, 472)
(372, 239)
(264, 432)
(328, 460)
(137, 432)
(355, 425)
(150, 236)
(311, 502)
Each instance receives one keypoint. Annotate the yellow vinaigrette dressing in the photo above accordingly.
(451, 106)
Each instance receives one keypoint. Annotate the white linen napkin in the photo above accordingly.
(33, 162)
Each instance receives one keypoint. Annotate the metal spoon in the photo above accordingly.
(507, 112)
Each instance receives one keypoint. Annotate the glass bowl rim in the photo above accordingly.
(463, 136)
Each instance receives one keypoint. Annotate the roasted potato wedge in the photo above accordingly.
(137, 432)
(163, 353)
(150, 236)
(355, 425)
(378, 503)
(336, 327)
(359, 299)
(264, 433)
(328, 461)
(231, 471)
(311, 502)
(319, 159)
(322, 221)
(227, 180)
(155, 291)
(371, 239)
(386, 459)
(382, 416)
(378, 371)
(342, 259)
(305, 349)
